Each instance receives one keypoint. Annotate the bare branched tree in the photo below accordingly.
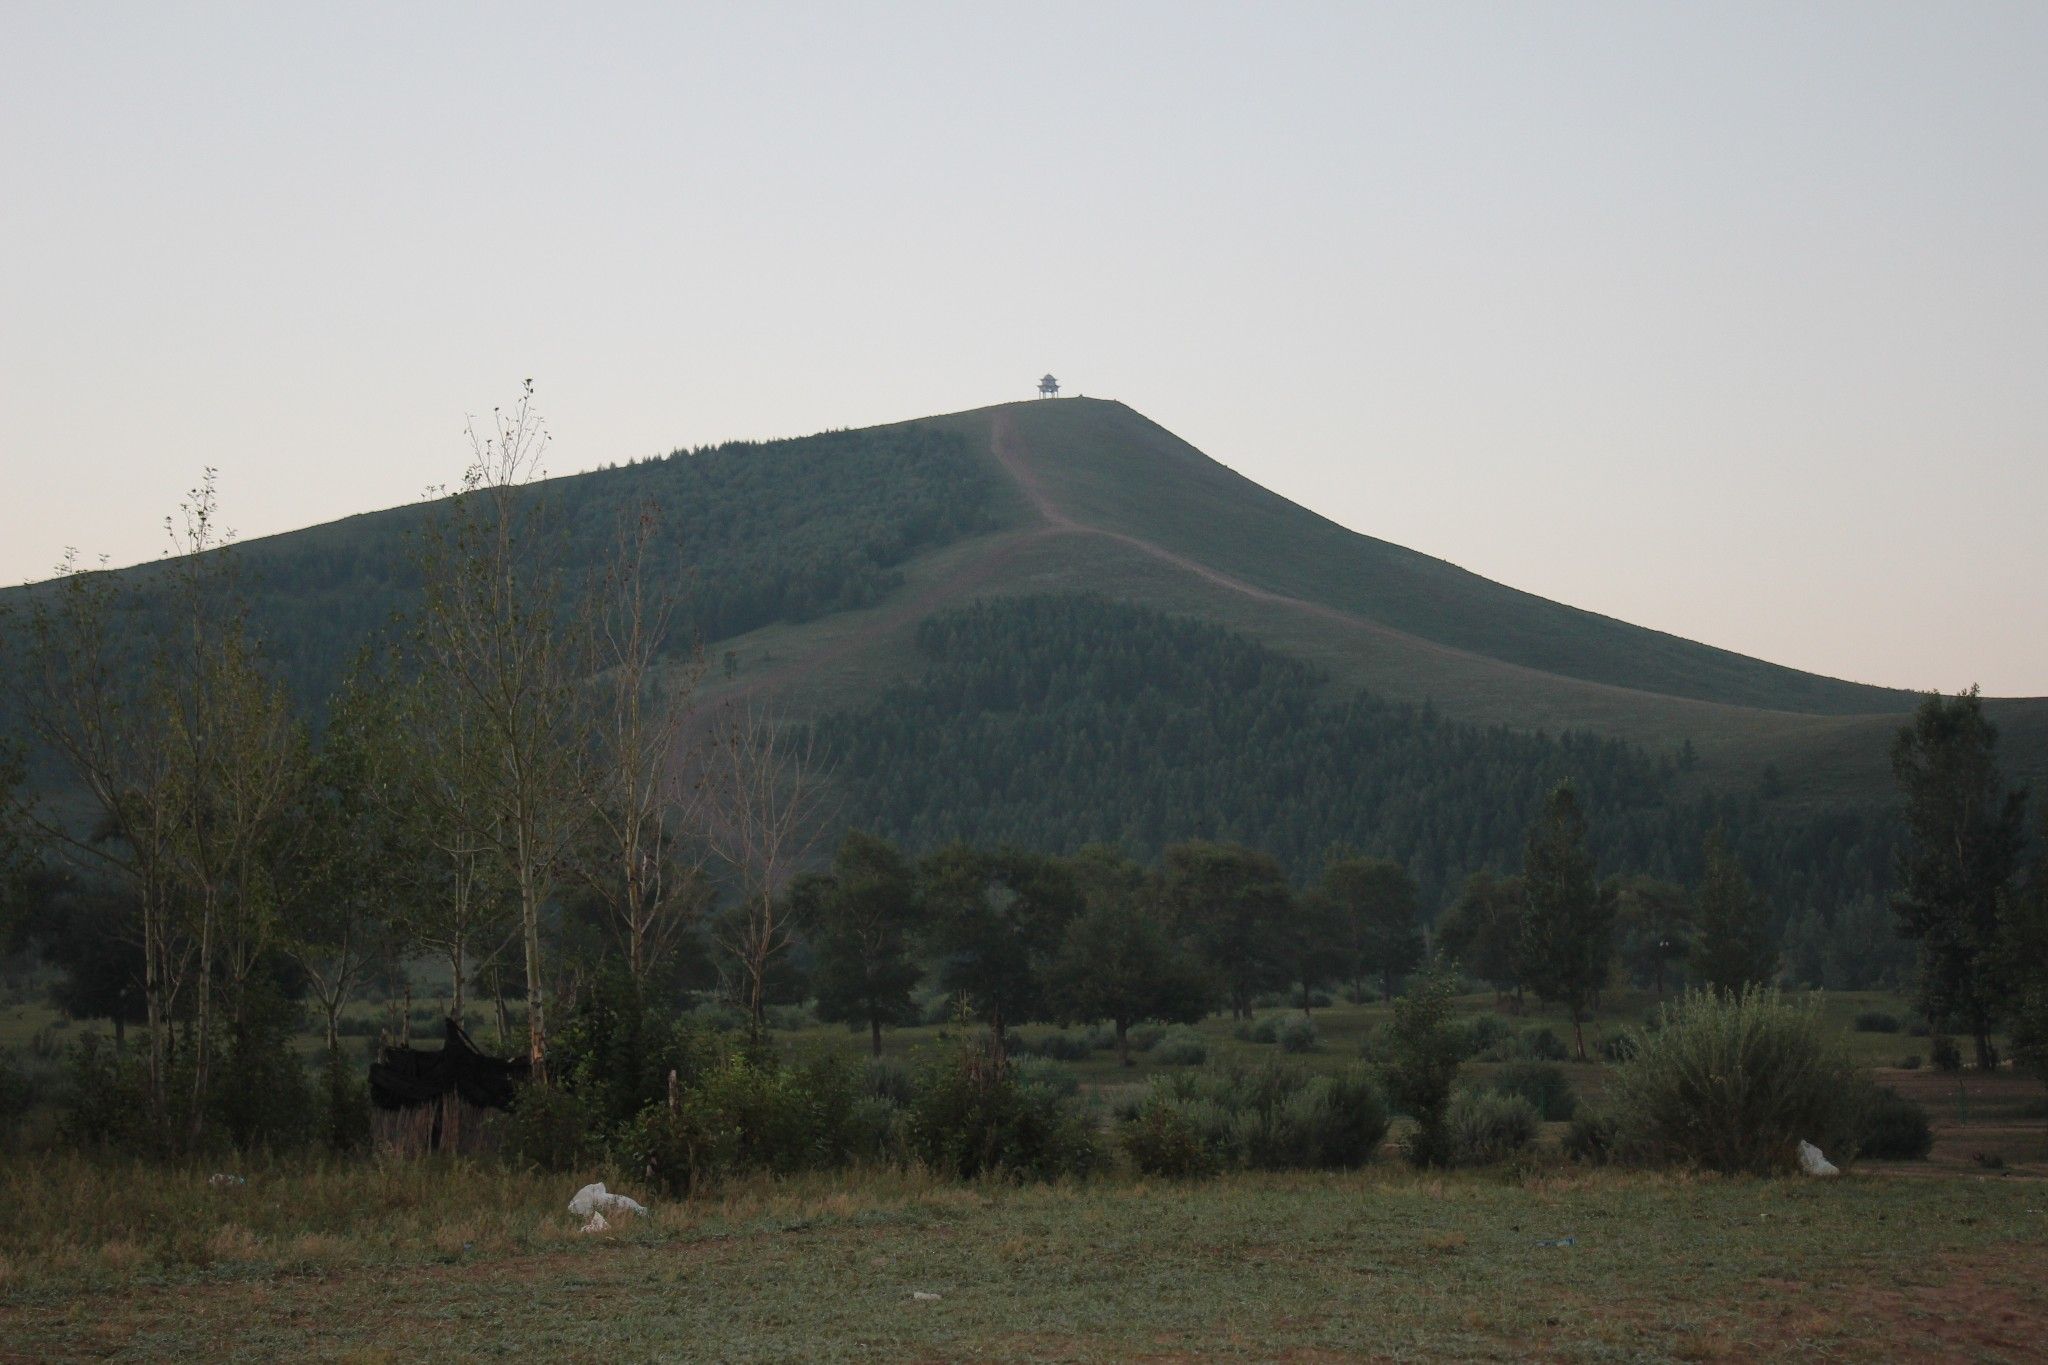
(649, 890)
(760, 795)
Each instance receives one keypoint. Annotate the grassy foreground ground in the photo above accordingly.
(439, 1261)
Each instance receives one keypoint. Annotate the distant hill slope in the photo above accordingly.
(811, 563)
(1102, 465)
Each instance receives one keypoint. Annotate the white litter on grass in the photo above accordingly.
(1813, 1163)
(594, 1199)
(597, 1223)
(922, 1297)
(221, 1182)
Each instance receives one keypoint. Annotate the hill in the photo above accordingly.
(838, 576)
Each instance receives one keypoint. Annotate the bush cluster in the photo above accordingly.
(1486, 1126)
(1264, 1118)
(1895, 1129)
(976, 1113)
(1735, 1082)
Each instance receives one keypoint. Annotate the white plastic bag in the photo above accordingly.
(592, 1199)
(1811, 1162)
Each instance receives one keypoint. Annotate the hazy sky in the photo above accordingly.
(1727, 320)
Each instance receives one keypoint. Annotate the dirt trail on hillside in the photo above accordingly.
(1010, 452)
(1013, 455)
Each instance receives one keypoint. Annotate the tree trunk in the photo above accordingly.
(504, 1021)
(875, 1032)
(455, 955)
(204, 1006)
(1123, 1042)
(529, 931)
(1579, 1033)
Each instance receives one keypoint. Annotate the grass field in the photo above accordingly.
(448, 1259)
(435, 1261)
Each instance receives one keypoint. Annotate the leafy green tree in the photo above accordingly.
(996, 920)
(864, 919)
(1317, 944)
(1964, 834)
(1483, 930)
(1567, 935)
(2024, 933)
(1424, 1049)
(1234, 904)
(1120, 961)
(1736, 947)
(1375, 903)
(1654, 921)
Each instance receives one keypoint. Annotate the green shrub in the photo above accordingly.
(674, 1150)
(1182, 1047)
(1162, 1138)
(1046, 1074)
(1268, 1118)
(1143, 1038)
(1298, 1035)
(1423, 1047)
(1877, 1021)
(889, 1080)
(1947, 1056)
(1910, 1062)
(972, 1117)
(347, 1118)
(550, 1128)
(1591, 1140)
(1484, 1126)
(1895, 1129)
(1057, 1046)
(1542, 1084)
(104, 1099)
(1534, 1045)
(1483, 1033)
(1266, 1030)
(1735, 1082)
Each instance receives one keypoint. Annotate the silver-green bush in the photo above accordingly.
(1485, 1126)
(1735, 1082)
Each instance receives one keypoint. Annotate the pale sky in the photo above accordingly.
(1727, 320)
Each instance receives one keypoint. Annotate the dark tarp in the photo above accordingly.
(407, 1076)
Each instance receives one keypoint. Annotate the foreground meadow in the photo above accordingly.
(438, 1260)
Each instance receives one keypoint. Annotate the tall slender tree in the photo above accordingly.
(760, 802)
(650, 890)
(496, 632)
(1567, 937)
(1735, 948)
(1964, 833)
